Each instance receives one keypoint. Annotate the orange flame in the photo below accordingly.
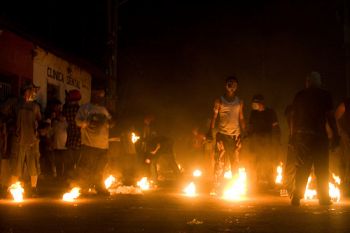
(238, 187)
(16, 191)
(109, 181)
(144, 184)
(190, 190)
(278, 179)
(197, 173)
(72, 195)
(134, 137)
(334, 191)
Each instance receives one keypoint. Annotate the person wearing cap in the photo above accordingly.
(311, 111)
(228, 115)
(264, 133)
(28, 116)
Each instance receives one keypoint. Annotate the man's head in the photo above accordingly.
(74, 95)
(98, 96)
(148, 119)
(231, 85)
(258, 102)
(29, 90)
(313, 80)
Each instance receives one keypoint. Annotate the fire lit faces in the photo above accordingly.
(231, 86)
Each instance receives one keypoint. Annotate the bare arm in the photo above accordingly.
(339, 112)
(81, 118)
(215, 113)
(241, 117)
(332, 124)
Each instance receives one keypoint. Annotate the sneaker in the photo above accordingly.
(295, 201)
(284, 193)
(325, 202)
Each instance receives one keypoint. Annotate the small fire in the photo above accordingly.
(309, 193)
(228, 175)
(134, 137)
(334, 191)
(238, 187)
(16, 191)
(144, 184)
(190, 190)
(109, 181)
(278, 179)
(197, 173)
(72, 195)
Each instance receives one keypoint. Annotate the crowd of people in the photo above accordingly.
(313, 133)
(70, 142)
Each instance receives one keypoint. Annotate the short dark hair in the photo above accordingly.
(231, 78)
(258, 98)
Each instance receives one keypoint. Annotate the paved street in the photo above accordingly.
(167, 211)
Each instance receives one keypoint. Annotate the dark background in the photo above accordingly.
(173, 55)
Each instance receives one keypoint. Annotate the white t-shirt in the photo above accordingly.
(96, 133)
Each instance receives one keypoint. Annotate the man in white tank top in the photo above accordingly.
(228, 115)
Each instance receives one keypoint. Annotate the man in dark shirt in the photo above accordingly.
(311, 111)
(342, 115)
(264, 135)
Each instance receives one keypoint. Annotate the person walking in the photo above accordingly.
(311, 111)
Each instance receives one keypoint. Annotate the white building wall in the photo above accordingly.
(50, 69)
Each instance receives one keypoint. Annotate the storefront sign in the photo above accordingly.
(55, 76)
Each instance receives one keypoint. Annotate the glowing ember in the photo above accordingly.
(16, 191)
(190, 190)
(197, 173)
(144, 184)
(109, 181)
(279, 174)
(134, 137)
(72, 195)
(238, 187)
(228, 175)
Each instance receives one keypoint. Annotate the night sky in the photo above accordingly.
(173, 56)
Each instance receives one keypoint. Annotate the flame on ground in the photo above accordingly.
(144, 184)
(134, 137)
(197, 173)
(278, 179)
(238, 186)
(228, 175)
(109, 181)
(334, 191)
(16, 191)
(190, 190)
(309, 193)
(72, 195)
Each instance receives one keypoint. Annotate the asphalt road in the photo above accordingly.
(168, 211)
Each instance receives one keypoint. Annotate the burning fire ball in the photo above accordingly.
(190, 190)
(16, 191)
(72, 195)
(237, 188)
(144, 184)
(109, 181)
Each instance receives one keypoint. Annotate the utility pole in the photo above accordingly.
(112, 49)
(347, 46)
